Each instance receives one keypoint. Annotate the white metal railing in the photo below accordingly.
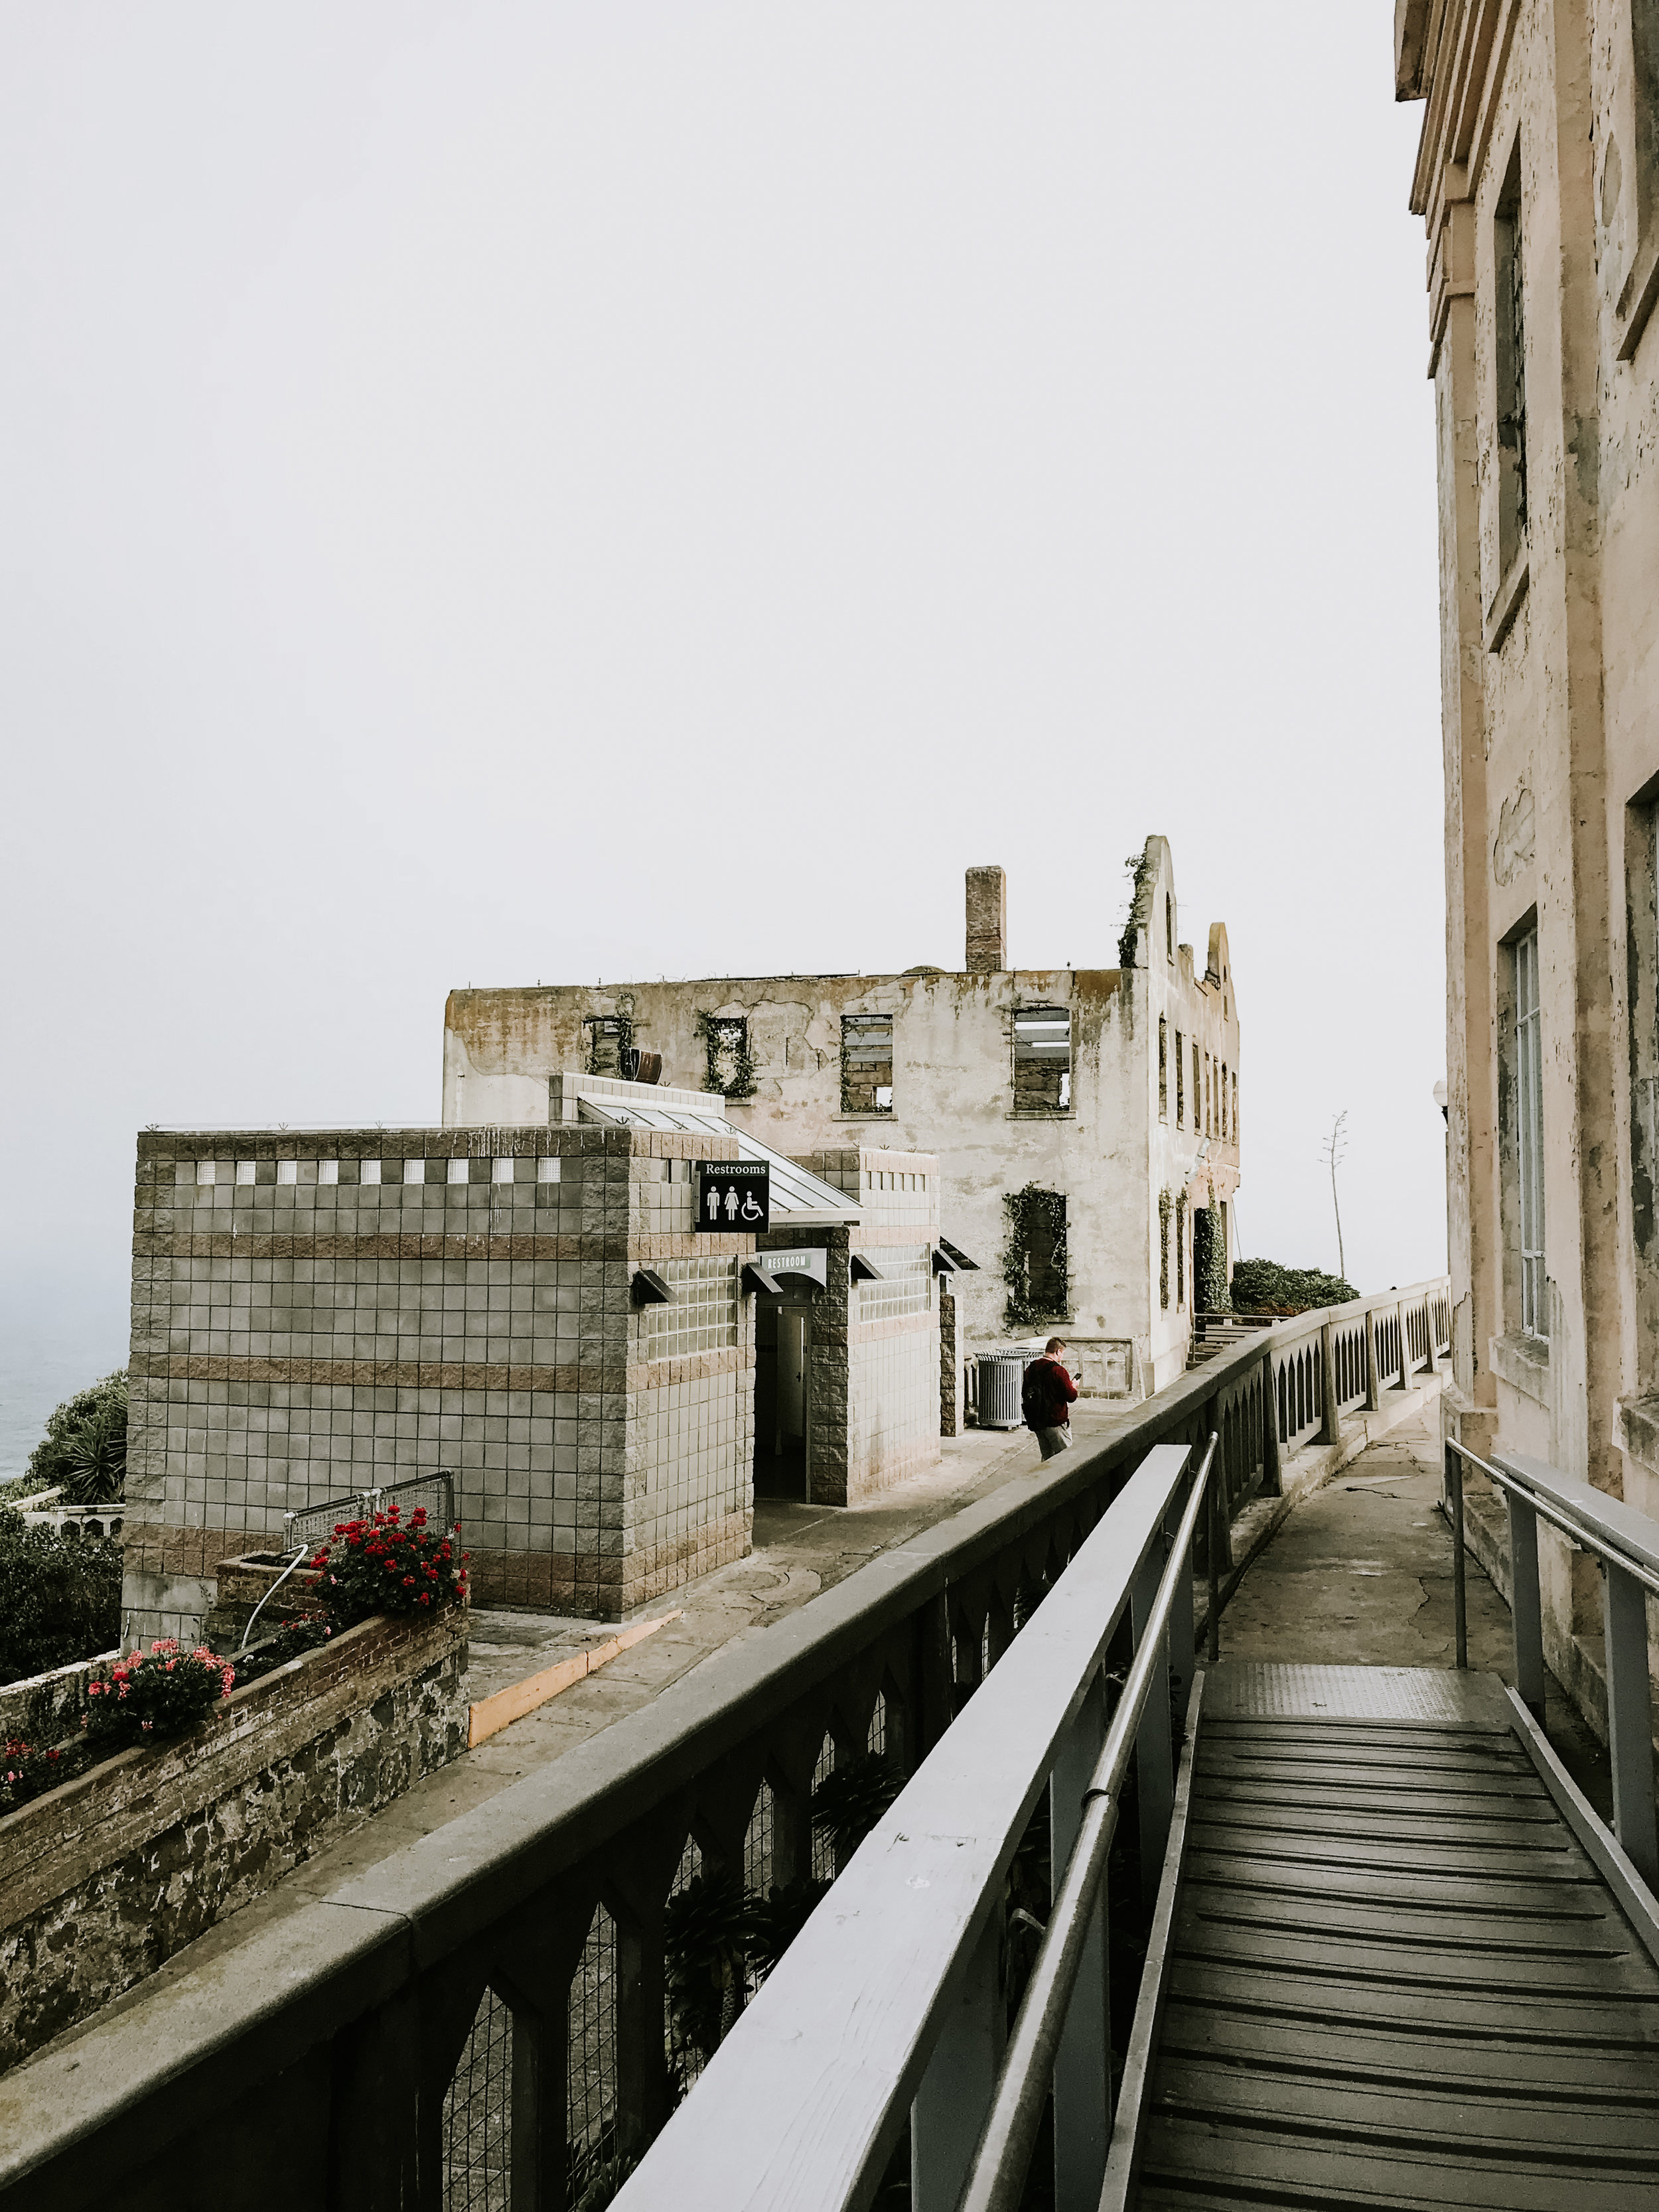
(888, 2003)
(1626, 1544)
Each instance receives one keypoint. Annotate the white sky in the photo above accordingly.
(484, 483)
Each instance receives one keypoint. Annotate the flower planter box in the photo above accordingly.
(104, 1878)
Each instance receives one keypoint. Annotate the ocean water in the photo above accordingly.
(52, 1344)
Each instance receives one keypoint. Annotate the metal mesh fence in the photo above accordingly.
(686, 2061)
(477, 2123)
(315, 1524)
(591, 2099)
(823, 1848)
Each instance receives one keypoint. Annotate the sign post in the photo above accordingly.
(735, 1197)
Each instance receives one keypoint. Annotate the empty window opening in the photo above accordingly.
(1163, 1069)
(608, 1036)
(1510, 363)
(1169, 927)
(1198, 1088)
(867, 1064)
(1043, 1059)
(728, 1067)
(1180, 1082)
(1529, 1132)
(1035, 1258)
(1235, 1109)
(1181, 1249)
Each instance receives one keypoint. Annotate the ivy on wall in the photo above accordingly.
(1165, 1207)
(730, 1066)
(1034, 1262)
(1210, 1290)
(1140, 868)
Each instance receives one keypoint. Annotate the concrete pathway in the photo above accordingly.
(1360, 1575)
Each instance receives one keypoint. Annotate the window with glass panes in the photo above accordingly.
(1529, 1126)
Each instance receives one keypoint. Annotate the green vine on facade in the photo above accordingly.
(1165, 1207)
(729, 1063)
(1139, 867)
(1033, 1264)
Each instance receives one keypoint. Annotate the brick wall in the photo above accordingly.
(108, 1876)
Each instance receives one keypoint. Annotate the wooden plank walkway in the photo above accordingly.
(1397, 1977)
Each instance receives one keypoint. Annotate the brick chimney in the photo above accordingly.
(987, 922)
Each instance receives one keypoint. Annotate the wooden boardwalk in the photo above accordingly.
(1396, 1975)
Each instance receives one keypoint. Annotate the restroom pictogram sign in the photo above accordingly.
(735, 1197)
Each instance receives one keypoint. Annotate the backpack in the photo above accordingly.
(1036, 1396)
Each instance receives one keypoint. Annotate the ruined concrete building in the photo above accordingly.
(1537, 177)
(1085, 1121)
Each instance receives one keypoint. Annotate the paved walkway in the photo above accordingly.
(1360, 1575)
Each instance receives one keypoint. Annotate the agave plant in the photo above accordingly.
(93, 1462)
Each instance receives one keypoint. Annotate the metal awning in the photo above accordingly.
(956, 1256)
(864, 1269)
(794, 1191)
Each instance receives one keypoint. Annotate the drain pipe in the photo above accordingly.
(271, 1594)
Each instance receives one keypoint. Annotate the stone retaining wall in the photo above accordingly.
(103, 1879)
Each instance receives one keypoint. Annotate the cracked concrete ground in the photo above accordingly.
(1360, 1575)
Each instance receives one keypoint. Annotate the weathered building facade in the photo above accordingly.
(1538, 179)
(1085, 1121)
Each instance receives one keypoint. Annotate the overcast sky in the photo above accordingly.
(517, 491)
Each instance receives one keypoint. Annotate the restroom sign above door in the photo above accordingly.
(734, 1196)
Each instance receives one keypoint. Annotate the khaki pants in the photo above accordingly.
(1053, 1441)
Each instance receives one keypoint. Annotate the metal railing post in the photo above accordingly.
(955, 2095)
(1526, 1605)
(1083, 2062)
(1272, 1477)
(1630, 1719)
(1330, 1420)
(1459, 1592)
(1154, 1760)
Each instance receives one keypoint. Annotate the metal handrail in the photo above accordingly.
(1627, 1581)
(1578, 1533)
(996, 2180)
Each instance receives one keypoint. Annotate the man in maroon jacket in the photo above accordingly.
(1047, 1391)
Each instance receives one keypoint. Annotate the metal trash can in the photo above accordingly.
(1001, 1373)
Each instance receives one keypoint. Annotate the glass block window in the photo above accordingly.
(703, 1317)
(906, 1289)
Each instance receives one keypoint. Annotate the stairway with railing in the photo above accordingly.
(1396, 1959)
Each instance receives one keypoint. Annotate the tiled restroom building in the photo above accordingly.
(316, 1314)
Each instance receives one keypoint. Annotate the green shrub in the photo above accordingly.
(60, 1597)
(84, 1451)
(1262, 1287)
